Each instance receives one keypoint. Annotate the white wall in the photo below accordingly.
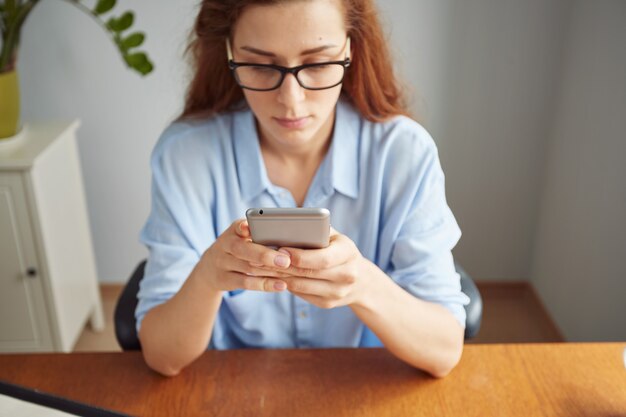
(420, 32)
(70, 69)
(580, 248)
(486, 72)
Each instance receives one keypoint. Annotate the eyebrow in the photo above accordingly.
(271, 54)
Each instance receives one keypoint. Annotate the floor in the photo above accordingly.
(512, 313)
(90, 341)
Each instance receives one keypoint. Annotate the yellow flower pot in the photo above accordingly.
(9, 104)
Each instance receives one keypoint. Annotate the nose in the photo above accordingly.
(290, 92)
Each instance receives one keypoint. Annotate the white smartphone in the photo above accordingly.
(307, 228)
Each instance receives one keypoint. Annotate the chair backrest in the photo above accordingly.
(126, 331)
(124, 317)
(474, 310)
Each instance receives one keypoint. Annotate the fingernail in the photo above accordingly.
(281, 260)
(284, 251)
(279, 285)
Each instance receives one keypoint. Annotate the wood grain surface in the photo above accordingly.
(587, 379)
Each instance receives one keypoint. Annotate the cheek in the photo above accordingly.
(331, 97)
(259, 102)
(324, 102)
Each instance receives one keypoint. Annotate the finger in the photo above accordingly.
(324, 274)
(234, 264)
(340, 251)
(266, 284)
(292, 271)
(260, 272)
(320, 302)
(256, 254)
(236, 280)
(345, 274)
(317, 287)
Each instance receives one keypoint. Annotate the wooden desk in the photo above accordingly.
(491, 380)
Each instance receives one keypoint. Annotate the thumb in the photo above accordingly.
(242, 229)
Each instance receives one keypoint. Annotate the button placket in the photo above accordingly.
(303, 322)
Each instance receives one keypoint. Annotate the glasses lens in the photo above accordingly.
(260, 78)
(321, 76)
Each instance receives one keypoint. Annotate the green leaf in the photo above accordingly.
(113, 25)
(121, 23)
(136, 59)
(132, 41)
(104, 6)
(144, 68)
(125, 21)
(139, 62)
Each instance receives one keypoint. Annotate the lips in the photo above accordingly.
(292, 123)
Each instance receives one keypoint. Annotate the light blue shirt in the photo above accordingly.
(382, 183)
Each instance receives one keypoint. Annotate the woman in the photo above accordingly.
(263, 128)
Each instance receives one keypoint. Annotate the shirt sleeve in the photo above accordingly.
(175, 235)
(421, 260)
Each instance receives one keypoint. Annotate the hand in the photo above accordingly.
(331, 277)
(233, 261)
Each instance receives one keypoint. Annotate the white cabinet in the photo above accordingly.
(48, 281)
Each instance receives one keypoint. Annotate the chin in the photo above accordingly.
(295, 136)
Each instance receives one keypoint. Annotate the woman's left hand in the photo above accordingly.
(330, 277)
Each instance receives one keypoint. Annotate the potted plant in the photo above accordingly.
(13, 14)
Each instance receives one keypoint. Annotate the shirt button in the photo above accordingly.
(303, 315)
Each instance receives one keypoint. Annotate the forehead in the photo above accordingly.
(289, 26)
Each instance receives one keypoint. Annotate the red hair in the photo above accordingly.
(369, 83)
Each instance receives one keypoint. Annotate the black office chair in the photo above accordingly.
(126, 332)
(124, 317)
(474, 310)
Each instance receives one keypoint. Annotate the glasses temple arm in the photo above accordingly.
(229, 51)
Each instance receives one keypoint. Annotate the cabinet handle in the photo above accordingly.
(31, 272)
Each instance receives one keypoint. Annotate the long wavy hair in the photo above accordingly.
(369, 83)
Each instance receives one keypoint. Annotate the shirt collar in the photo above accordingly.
(344, 149)
(253, 179)
(342, 174)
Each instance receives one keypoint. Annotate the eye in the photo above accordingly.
(262, 70)
(318, 68)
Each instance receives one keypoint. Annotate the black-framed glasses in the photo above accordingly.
(266, 77)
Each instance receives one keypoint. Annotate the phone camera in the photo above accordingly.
(260, 211)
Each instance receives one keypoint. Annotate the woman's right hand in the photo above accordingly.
(235, 262)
